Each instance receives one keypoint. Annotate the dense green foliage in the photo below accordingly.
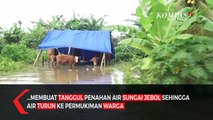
(34, 37)
(18, 53)
(7, 65)
(179, 49)
(127, 53)
(14, 34)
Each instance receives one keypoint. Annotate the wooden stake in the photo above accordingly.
(69, 50)
(58, 51)
(103, 60)
(38, 55)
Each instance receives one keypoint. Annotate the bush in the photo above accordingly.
(7, 65)
(187, 61)
(18, 53)
(126, 53)
(2, 43)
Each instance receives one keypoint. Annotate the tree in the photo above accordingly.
(175, 54)
(14, 34)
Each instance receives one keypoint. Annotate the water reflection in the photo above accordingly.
(65, 76)
(21, 78)
(51, 75)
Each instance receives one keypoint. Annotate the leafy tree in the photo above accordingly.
(2, 41)
(76, 22)
(81, 23)
(57, 23)
(34, 37)
(14, 34)
(175, 53)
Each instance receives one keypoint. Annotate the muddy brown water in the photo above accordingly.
(80, 75)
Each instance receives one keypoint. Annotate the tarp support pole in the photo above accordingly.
(38, 55)
(58, 51)
(103, 61)
(83, 56)
(43, 61)
(69, 50)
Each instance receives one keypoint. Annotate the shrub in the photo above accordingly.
(126, 53)
(7, 65)
(2, 43)
(18, 53)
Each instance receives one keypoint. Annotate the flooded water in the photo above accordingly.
(80, 75)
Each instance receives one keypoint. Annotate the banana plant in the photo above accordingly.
(174, 44)
(81, 23)
(158, 29)
(14, 34)
(159, 26)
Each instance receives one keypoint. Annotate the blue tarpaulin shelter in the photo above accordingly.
(98, 41)
(88, 42)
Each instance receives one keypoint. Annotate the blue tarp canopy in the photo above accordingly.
(98, 41)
